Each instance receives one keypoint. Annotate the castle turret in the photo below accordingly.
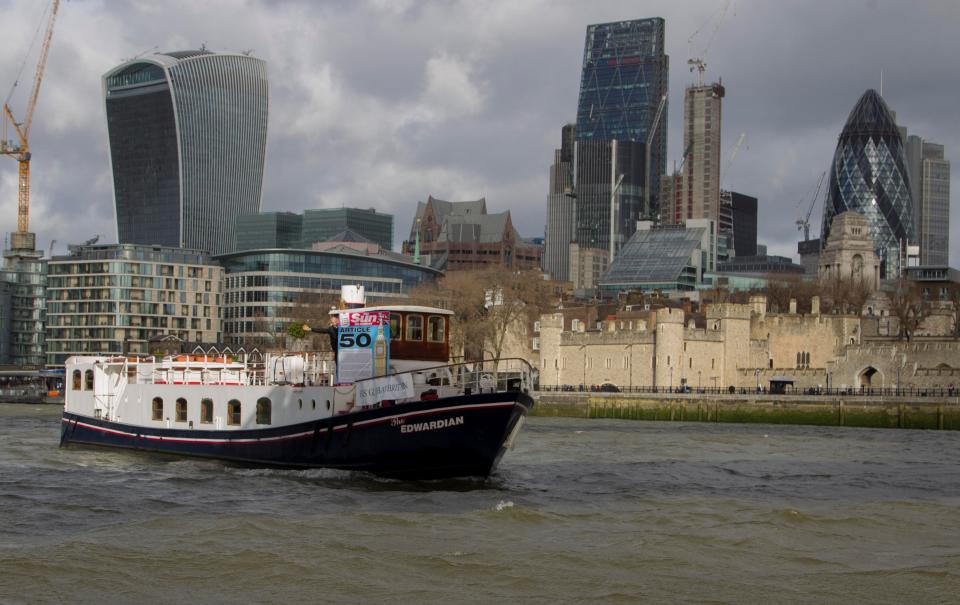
(669, 349)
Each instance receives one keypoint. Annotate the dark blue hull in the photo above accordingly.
(453, 437)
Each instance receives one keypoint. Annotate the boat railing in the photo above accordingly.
(312, 370)
(449, 380)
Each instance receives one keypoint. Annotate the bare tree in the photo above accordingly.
(845, 294)
(953, 297)
(512, 296)
(463, 293)
(486, 303)
(716, 295)
(908, 306)
(781, 289)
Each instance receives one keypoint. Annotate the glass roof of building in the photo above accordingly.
(656, 255)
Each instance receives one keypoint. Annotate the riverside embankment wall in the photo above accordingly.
(941, 413)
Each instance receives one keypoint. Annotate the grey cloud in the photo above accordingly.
(793, 71)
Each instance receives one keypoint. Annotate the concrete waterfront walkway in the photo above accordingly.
(912, 412)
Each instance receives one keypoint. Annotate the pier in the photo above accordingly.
(906, 412)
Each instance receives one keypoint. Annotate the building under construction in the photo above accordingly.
(24, 272)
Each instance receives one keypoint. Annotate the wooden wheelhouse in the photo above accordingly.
(416, 333)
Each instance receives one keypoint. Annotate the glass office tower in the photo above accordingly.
(625, 75)
(869, 175)
(188, 133)
(321, 224)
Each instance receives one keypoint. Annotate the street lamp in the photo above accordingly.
(757, 374)
(671, 379)
(699, 372)
(583, 383)
(900, 366)
(614, 187)
(629, 347)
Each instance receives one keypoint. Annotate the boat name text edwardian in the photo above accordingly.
(430, 426)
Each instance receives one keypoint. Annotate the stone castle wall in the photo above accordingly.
(739, 345)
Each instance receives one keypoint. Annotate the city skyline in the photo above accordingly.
(472, 108)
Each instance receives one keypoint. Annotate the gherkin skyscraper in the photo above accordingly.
(869, 175)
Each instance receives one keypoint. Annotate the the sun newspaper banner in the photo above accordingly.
(399, 386)
(363, 345)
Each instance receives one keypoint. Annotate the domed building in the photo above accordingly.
(869, 176)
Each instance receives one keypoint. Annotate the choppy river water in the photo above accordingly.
(599, 511)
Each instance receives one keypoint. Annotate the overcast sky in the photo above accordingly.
(384, 102)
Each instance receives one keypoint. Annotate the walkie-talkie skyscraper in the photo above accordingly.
(188, 133)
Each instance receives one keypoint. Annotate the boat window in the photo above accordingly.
(233, 412)
(157, 408)
(181, 410)
(414, 327)
(435, 329)
(313, 403)
(300, 401)
(263, 411)
(88, 378)
(206, 411)
(395, 326)
(76, 380)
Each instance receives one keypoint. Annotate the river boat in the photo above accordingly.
(419, 417)
(21, 385)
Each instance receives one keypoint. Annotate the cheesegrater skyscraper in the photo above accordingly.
(623, 81)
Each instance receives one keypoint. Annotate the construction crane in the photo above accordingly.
(733, 156)
(804, 223)
(20, 148)
(699, 62)
(683, 158)
(646, 165)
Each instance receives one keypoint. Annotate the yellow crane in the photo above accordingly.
(20, 148)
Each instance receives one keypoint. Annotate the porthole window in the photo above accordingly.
(313, 403)
(263, 410)
(157, 408)
(300, 401)
(233, 412)
(206, 411)
(181, 410)
(328, 404)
